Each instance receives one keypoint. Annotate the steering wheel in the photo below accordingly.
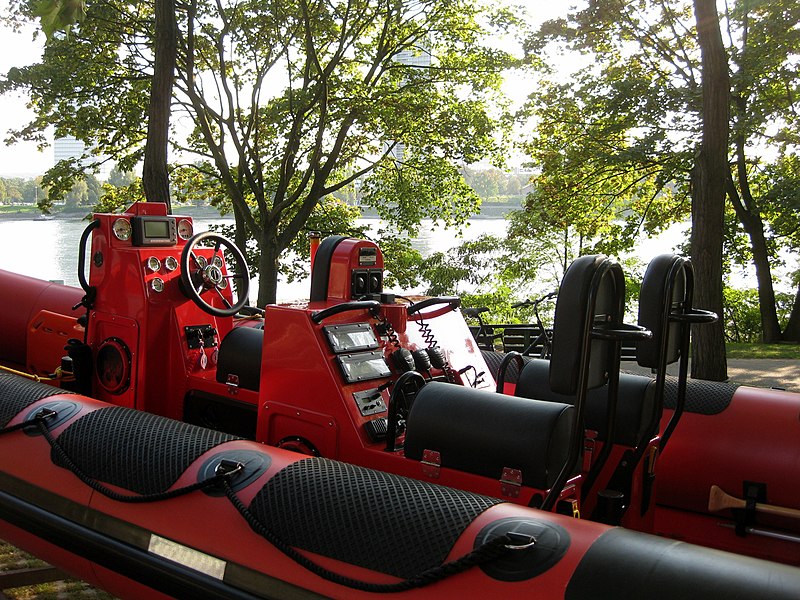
(199, 274)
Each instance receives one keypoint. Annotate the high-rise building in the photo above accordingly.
(67, 147)
(413, 57)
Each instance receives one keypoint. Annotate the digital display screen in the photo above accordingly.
(351, 337)
(364, 366)
(156, 230)
(152, 230)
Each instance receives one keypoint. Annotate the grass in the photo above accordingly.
(69, 589)
(18, 209)
(742, 350)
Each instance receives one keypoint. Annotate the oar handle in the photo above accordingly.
(719, 500)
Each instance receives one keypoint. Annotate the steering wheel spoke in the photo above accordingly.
(222, 297)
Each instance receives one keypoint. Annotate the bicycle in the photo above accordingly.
(544, 337)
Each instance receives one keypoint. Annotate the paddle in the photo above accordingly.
(719, 500)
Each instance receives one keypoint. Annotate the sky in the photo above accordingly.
(23, 159)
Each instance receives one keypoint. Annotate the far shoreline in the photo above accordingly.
(489, 210)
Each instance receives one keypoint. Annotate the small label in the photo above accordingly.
(188, 557)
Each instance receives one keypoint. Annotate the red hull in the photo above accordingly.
(198, 545)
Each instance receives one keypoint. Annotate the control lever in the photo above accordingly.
(403, 360)
(436, 357)
(422, 361)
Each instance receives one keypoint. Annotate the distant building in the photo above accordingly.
(68, 147)
(413, 57)
(416, 57)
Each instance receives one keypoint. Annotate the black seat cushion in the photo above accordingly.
(636, 402)
(240, 355)
(483, 432)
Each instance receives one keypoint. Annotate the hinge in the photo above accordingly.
(511, 482)
(431, 463)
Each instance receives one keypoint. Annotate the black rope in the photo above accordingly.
(488, 551)
(40, 421)
(22, 425)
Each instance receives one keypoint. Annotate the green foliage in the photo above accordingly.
(93, 85)
(58, 15)
(290, 104)
(742, 314)
(117, 199)
(614, 145)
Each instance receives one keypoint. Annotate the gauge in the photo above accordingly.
(217, 260)
(223, 283)
(122, 229)
(157, 284)
(200, 261)
(185, 229)
(171, 263)
(153, 264)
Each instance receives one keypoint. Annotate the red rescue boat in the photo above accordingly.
(359, 375)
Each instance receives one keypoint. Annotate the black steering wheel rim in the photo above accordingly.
(197, 279)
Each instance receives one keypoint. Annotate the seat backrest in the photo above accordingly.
(240, 357)
(592, 293)
(636, 403)
(664, 286)
(320, 272)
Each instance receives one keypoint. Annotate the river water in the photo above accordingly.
(49, 249)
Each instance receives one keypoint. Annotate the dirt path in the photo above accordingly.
(756, 372)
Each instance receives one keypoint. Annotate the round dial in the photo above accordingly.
(122, 229)
(153, 264)
(201, 261)
(185, 229)
(157, 284)
(217, 260)
(171, 263)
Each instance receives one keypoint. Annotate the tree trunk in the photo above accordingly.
(749, 215)
(268, 268)
(754, 227)
(792, 331)
(709, 178)
(240, 236)
(155, 178)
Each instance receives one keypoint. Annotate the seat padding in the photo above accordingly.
(482, 432)
(240, 355)
(652, 301)
(636, 401)
(574, 316)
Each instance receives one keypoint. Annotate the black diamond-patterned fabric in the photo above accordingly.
(702, 397)
(380, 521)
(17, 393)
(134, 450)
(493, 360)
